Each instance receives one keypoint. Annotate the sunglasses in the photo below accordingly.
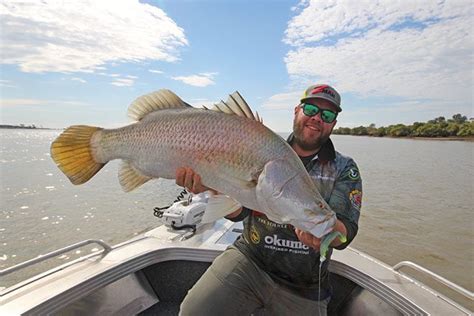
(327, 116)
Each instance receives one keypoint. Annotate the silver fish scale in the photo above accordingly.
(211, 143)
(234, 155)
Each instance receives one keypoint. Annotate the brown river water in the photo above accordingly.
(417, 204)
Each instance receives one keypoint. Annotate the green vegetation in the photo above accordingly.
(458, 126)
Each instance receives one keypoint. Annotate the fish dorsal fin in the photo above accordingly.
(158, 100)
(236, 105)
(130, 178)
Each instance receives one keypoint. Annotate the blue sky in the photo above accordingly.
(84, 62)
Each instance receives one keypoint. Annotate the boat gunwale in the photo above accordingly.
(123, 260)
(116, 272)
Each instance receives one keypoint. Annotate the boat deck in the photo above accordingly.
(151, 274)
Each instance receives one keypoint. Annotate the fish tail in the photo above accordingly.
(72, 153)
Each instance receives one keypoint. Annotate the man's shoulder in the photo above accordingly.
(347, 167)
(343, 160)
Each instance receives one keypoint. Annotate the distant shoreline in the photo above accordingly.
(447, 138)
(25, 127)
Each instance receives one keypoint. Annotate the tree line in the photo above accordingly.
(457, 126)
(32, 126)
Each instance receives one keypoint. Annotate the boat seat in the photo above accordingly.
(348, 299)
(171, 281)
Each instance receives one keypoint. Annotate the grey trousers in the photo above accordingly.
(234, 285)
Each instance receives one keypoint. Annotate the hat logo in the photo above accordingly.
(319, 89)
(323, 89)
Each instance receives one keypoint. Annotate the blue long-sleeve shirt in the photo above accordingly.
(276, 249)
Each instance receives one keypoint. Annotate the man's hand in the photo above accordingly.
(186, 177)
(315, 242)
(308, 239)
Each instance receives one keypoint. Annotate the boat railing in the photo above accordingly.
(55, 253)
(453, 286)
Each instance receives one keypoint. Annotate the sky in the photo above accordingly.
(84, 62)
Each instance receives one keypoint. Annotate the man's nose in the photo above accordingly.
(317, 117)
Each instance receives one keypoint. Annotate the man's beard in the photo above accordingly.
(307, 144)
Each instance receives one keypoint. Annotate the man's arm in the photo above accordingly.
(234, 215)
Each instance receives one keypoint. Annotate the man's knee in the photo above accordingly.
(200, 296)
(221, 290)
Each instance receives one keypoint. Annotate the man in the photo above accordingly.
(274, 267)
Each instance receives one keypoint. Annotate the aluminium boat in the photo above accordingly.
(150, 275)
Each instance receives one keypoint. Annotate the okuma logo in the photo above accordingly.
(279, 242)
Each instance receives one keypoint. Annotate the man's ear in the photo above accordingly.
(334, 124)
(296, 108)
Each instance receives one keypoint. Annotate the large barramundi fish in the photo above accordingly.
(229, 147)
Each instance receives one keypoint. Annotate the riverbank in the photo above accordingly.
(25, 127)
(448, 138)
(462, 139)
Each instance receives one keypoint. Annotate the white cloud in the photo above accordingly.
(20, 102)
(415, 50)
(321, 19)
(199, 80)
(6, 84)
(199, 103)
(120, 80)
(123, 82)
(282, 101)
(80, 36)
(155, 71)
(78, 79)
(36, 102)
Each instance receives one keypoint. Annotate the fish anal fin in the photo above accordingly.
(130, 178)
(218, 206)
(155, 101)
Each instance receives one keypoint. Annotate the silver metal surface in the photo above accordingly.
(451, 285)
(132, 265)
(127, 296)
(55, 253)
(379, 289)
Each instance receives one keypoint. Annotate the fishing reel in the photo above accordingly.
(184, 214)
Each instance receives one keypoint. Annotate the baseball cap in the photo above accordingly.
(323, 91)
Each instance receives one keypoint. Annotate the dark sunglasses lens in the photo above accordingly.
(310, 109)
(328, 116)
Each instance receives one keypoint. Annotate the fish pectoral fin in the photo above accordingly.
(130, 178)
(218, 206)
(155, 101)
